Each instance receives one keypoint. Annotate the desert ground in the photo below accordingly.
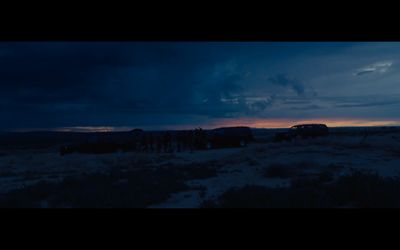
(301, 173)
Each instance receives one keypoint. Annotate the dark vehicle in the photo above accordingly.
(229, 137)
(303, 131)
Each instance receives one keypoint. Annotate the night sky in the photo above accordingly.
(174, 85)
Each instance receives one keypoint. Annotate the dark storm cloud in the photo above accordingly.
(216, 90)
(68, 64)
(66, 72)
(62, 84)
(261, 105)
(285, 81)
(72, 82)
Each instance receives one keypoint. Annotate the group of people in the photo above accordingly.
(169, 142)
(148, 142)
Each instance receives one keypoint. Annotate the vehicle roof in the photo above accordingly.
(311, 124)
(239, 127)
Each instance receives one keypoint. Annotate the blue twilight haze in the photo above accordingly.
(155, 85)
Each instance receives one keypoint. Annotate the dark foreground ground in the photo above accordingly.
(118, 188)
(142, 188)
(345, 170)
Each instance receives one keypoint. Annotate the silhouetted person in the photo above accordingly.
(200, 139)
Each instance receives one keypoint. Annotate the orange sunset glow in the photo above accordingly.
(253, 123)
(285, 123)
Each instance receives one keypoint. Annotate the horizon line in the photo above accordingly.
(101, 129)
